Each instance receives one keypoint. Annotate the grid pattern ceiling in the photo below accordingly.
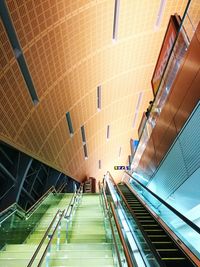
(69, 51)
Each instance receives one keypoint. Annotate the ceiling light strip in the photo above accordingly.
(139, 101)
(160, 14)
(99, 164)
(69, 123)
(85, 151)
(99, 97)
(83, 134)
(108, 132)
(116, 20)
(12, 36)
(120, 151)
(137, 108)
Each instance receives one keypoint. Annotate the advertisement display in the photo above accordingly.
(167, 45)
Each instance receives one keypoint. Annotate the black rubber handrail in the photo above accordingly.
(180, 215)
(146, 238)
(43, 239)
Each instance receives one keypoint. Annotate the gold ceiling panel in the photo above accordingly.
(69, 51)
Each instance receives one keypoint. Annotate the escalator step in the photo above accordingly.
(146, 221)
(150, 226)
(154, 231)
(179, 262)
(164, 244)
(170, 253)
(158, 238)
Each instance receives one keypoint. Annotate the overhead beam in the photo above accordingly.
(24, 163)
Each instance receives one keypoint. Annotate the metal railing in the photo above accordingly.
(67, 214)
(16, 209)
(109, 213)
(75, 200)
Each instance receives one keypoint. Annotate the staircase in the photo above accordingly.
(19, 255)
(167, 250)
(86, 244)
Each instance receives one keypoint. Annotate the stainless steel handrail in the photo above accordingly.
(72, 201)
(26, 214)
(106, 213)
(42, 241)
(50, 240)
(49, 228)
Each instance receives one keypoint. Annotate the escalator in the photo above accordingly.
(168, 251)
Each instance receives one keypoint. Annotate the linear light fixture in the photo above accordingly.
(120, 151)
(137, 108)
(85, 151)
(99, 97)
(69, 123)
(83, 134)
(108, 132)
(116, 20)
(160, 14)
(17, 50)
(99, 164)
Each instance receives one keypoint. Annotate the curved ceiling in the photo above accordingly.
(69, 51)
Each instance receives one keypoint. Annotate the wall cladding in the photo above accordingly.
(181, 161)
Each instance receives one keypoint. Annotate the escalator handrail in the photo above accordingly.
(148, 241)
(180, 215)
(50, 239)
(126, 252)
(42, 240)
(181, 245)
(128, 258)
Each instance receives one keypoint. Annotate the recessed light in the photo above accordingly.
(69, 123)
(116, 20)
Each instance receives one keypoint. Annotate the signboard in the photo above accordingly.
(168, 42)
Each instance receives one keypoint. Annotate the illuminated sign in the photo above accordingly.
(120, 168)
